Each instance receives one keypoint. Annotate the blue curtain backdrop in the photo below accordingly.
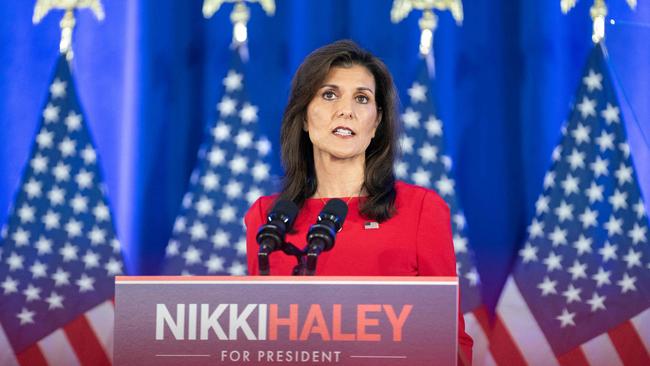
(150, 74)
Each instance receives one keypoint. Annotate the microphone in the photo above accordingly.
(322, 234)
(270, 236)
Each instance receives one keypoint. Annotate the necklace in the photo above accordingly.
(346, 202)
(322, 199)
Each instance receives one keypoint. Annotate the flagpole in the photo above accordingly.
(598, 12)
(68, 21)
(428, 22)
(239, 18)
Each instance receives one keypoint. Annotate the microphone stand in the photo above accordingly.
(263, 263)
(311, 262)
(288, 249)
(299, 269)
(307, 259)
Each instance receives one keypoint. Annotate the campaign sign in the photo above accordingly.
(286, 320)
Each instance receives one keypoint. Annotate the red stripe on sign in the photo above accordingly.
(32, 356)
(504, 349)
(574, 357)
(85, 343)
(629, 345)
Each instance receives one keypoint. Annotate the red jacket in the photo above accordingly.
(416, 241)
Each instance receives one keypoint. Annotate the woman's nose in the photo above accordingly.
(345, 109)
(345, 114)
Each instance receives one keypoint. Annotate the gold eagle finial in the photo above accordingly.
(68, 22)
(429, 21)
(239, 16)
(598, 12)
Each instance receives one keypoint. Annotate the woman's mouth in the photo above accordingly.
(343, 131)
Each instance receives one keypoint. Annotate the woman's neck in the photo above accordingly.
(339, 177)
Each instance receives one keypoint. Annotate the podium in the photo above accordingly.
(214, 320)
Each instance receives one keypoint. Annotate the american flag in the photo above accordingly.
(59, 251)
(579, 293)
(232, 172)
(425, 163)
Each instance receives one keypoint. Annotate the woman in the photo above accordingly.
(338, 139)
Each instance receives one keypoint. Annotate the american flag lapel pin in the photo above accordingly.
(371, 225)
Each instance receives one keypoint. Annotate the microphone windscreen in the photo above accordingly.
(337, 208)
(286, 208)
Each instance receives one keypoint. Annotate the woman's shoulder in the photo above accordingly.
(264, 202)
(259, 208)
(412, 193)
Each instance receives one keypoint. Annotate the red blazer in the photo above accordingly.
(416, 241)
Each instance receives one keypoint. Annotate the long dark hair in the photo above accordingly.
(300, 180)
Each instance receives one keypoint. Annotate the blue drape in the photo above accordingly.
(149, 77)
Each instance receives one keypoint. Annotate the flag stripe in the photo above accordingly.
(575, 357)
(523, 327)
(502, 347)
(628, 345)
(101, 320)
(482, 317)
(474, 328)
(57, 349)
(601, 351)
(6, 358)
(642, 324)
(487, 361)
(32, 356)
(85, 343)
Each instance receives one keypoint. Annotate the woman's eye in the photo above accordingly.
(362, 99)
(329, 95)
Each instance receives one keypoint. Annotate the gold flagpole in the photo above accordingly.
(429, 20)
(68, 22)
(598, 12)
(239, 15)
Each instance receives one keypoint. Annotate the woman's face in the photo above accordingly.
(342, 117)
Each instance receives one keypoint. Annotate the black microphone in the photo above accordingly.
(270, 236)
(322, 234)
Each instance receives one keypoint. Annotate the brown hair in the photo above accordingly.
(300, 180)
